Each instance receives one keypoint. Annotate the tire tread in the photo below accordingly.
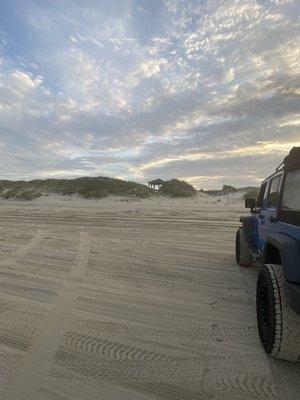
(245, 257)
(287, 337)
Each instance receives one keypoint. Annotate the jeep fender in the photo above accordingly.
(289, 251)
(249, 224)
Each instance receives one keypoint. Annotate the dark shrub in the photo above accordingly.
(20, 194)
(10, 193)
(177, 188)
(28, 195)
(94, 194)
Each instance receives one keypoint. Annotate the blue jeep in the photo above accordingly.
(270, 237)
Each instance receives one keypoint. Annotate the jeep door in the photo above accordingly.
(260, 206)
(268, 212)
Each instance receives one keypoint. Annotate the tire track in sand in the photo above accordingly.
(34, 242)
(37, 363)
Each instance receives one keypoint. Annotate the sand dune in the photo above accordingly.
(117, 299)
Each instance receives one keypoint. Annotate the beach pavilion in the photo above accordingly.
(156, 184)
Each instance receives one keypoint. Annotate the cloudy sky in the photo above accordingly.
(204, 90)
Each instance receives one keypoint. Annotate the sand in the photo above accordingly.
(128, 300)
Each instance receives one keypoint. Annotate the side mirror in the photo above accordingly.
(250, 203)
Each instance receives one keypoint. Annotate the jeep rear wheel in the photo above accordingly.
(242, 252)
(278, 324)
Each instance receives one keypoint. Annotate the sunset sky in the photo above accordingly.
(206, 91)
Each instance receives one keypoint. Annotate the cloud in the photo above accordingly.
(189, 89)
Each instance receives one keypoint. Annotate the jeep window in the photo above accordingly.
(261, 195)
(274, 193)
(291, 193)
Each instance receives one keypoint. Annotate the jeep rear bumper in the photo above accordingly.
(292, 293)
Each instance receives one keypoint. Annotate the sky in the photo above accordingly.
(206, 91)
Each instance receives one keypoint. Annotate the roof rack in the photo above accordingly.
(279, 166)
(292, 158)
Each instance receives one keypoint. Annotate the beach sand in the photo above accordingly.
(122, 299)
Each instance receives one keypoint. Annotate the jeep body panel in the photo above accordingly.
(249, 227)
(292, 294)
(289, 250)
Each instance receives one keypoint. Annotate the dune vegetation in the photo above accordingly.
(87, 187)
(101, 187)
(90, 188)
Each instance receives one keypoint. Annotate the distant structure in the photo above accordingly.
(156, 184)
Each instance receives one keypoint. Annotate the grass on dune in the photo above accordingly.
(89, 188)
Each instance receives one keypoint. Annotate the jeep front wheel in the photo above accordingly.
(242, 252)
(278, 324)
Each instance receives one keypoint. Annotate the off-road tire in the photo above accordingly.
(242, 252)
(278, 324)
